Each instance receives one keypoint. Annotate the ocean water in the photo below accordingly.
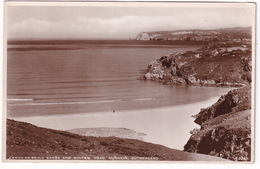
(97, 76)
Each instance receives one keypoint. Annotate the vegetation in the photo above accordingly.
(29, 142)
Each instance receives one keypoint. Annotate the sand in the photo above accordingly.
(168, 126)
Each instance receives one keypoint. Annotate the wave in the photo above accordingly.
(20, 99)
(143, 99)
(68, 103)
(90, 102)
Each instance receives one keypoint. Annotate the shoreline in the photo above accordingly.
(159, 124)
(210, 95)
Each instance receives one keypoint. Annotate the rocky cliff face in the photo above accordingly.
(225, 127)
(217, 64)
(143, 36)
(234, 101)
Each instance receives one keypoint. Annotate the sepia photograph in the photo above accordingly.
(129, 82)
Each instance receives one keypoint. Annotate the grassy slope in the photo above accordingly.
(217, 64)
(225, 126)
(26, 140)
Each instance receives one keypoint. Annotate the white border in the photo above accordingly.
(130, 166)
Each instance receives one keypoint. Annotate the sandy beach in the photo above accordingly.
(168, 126)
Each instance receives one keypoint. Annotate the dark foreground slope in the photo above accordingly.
(26, 141)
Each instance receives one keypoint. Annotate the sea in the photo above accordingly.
(51, 77)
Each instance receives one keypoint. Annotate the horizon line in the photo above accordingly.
(122, 38)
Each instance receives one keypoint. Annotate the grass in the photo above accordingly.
(26, 141)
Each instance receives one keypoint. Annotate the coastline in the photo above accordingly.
(225, 126)
(156, 123)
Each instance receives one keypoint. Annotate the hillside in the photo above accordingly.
(223, 34)
(29, 142)
(226, 125)
(217, 64)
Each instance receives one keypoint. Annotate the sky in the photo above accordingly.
(119, 20)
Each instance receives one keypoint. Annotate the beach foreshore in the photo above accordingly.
(167, 126)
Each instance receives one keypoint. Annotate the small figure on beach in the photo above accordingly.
(114, 110)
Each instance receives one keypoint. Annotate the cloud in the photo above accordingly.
(120, 27)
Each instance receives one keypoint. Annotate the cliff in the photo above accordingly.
(225, 127)
(223, 34)
(217, 64)
(29, 142)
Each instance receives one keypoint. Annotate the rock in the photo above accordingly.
(214, 52)
(148, 76)
(225, 126)
(225, 129)
(212, 65)
(235, 100)
(174, 71)
(220, 142)
(192, 80)
(197, 55)
(143, 36)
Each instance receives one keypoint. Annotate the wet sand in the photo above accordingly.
(168, 126)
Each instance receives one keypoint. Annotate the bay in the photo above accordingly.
(94, 84)
(70, 78)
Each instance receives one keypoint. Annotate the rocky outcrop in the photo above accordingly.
(225, 127)
(143, 36)
(234, 101)
(217, 64)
